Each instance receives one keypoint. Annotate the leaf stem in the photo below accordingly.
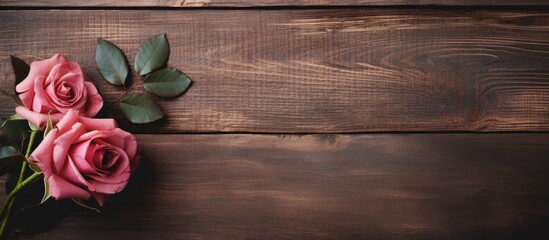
(5, 211)
(9, 200)
(126, 91)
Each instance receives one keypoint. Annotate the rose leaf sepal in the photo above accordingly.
(20, 68)
(49, 126)
(85, 205)
(47, 194)
(14, 98)
(34, 127)
(35, 167)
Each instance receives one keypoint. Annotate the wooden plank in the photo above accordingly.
(382, 186)
(325, 70)
(264, 3)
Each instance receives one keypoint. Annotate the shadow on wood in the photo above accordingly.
(408, 186)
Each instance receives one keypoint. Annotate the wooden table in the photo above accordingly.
(321, 119)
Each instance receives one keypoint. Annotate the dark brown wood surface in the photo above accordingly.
(322, 71)
(264, 3)
(308, 76)
(378, 186)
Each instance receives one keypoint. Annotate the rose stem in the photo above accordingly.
(126, 91)
(21, 176)
(27, 154)
(12, 194)
(23, 167)
(5, 220)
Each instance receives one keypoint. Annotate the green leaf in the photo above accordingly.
(47, 194)
(14, 98)
(9, 157)
(16, 129)
(20, 68)
(84, 205)
(152, 54)
(139, 108)
(7, 151)
(167, 82)
(111, 62)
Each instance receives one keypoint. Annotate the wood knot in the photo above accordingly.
(327, 138)
(193, 3)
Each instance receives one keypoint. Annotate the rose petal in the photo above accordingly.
(100, 197)
(37, 119)
(41, 103)
(62, 145)
(79, 153)
(27, 98)
(99, 124)
(59, 71)
(79, 98)
(73, 175)
(61, 189)
(122, 164)
(68, 73)
(38, 68)
(111, 187)
(94, 100)
(42, 155)
(72, 99)
(75, 68)
(70, 118)
(106, 138)
(130, 149)
(105, 154)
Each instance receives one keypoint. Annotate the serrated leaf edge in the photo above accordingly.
(123, 56)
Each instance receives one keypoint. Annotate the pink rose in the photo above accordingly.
(56, 86)
(84, 157)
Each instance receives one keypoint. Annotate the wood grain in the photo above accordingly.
(263, 3)
(384, 186)
(318, 71)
